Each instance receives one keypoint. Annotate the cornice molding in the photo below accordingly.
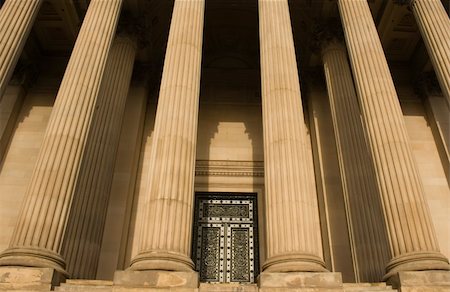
(229, 168)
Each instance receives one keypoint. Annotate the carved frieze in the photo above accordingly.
(229, 168)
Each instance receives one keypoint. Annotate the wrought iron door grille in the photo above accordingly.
(225, 245)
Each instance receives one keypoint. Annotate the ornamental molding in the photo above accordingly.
(138, 29)
(229, 168)
(403, 2)
(326, 33)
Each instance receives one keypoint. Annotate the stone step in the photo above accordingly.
(25, 287)
(89, 282)
(83, 288)
(85, 285)
(103, 286)
(122, 289)
(367, 287)
(227, 287)
(107, 286)
(25, 290)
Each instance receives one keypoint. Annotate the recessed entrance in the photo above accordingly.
(225, 245)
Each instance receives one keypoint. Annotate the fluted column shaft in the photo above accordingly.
(87, 220)
(411, 233)
(434, 25)
(16, 20)
(356, 166)
(292, 219)
(38, 236)
(168, 206)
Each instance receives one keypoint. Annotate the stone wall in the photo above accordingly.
(21, 154)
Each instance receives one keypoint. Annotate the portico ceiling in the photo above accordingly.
(231, 30)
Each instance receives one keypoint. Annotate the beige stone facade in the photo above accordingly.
(211, 145)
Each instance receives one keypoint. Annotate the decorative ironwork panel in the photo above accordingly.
(240, 253)
(210, 252)
(226, 245)
(225, 210)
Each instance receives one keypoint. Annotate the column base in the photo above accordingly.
(421, 281)
(33, 257)
(27, 279)
(294, 263)
(156, 279)
(418, 261)
(299, 281)
(161, 260)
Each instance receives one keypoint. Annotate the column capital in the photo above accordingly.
(25, 74)
(403, 2)
(427, 84)
(409, 3)
(134, 28)
(328, 35)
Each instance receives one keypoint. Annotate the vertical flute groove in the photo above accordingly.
(294, 242)
(41, 226)
(170, 191)
(16, 20)
(408, 222)
(357, 172)
(434, 25)
(82, 244)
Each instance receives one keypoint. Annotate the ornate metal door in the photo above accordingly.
(225, 245)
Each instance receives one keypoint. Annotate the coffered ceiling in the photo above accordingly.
(231, 29)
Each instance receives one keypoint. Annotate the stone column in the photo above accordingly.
(85, 227)
(292, 215)
(16, 20)
(38, 236)
(434, 25)
(411, 233)
(168, 207)
(370, 250)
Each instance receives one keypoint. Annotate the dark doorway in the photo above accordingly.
(225, 237)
